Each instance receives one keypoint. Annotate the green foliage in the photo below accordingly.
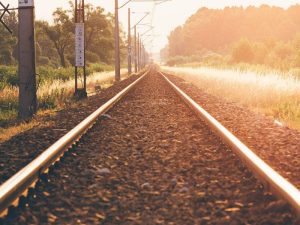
(99, 67)
(55, 54)
(55, 42)
(46, 73)
(8, 76)
(92, 57)
(59, 37)
(8, 42)
(52, 100)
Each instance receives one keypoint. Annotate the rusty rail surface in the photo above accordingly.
(279, 185)
(18, 185)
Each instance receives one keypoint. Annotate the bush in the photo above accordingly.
(177, 60)
(43, 60)
(243, 52)
(8, 76)
(91, 57)
(99, 67)
(46, 73)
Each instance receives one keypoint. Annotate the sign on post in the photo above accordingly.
(79, 44)
(25, 3)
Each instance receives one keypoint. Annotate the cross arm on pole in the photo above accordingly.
(5, 10)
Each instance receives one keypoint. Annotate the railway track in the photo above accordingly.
(150, 161)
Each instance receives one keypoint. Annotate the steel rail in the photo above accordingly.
(279, 185)
(18, 184)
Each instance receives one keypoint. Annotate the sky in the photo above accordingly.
(164, 17)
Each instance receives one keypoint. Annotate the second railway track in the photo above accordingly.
(151, 161)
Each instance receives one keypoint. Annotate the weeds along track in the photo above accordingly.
(150, 160)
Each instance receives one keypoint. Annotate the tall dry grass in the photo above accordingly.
(52, 93)
(273, 93)
(58, 92)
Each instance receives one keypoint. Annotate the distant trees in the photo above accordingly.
(55, 41)
(257, 35)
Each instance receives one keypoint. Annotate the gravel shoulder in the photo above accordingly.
(152, 161)
(278, 146)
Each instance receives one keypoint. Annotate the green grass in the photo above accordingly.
(8, 114)
(9, 77)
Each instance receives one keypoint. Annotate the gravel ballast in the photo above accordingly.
(150, 160)
(24, 147)
(278, 146)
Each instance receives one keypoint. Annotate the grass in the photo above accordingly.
(7, 133)
(52, 95)
(275, 94)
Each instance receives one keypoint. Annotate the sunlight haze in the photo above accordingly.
(178, 10)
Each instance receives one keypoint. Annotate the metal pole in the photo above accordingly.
(129, 42)
(142, 55)
(141, 62)
(80, 43)
(135, 50)
(76, 69)
(145, 58)
(117, 44)
(27, 67)
(84, 35)
(138, 53)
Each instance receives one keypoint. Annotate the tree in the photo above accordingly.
(61, 33)
(46, 53)
(99, 33)
(8, 42)
(217, 29)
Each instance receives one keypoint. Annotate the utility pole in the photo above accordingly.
(117, 44)
(141, 52)
(138, 52)
(143, 58)
(27, 67)
(135, 50)
(129, 42)
(142, 55)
